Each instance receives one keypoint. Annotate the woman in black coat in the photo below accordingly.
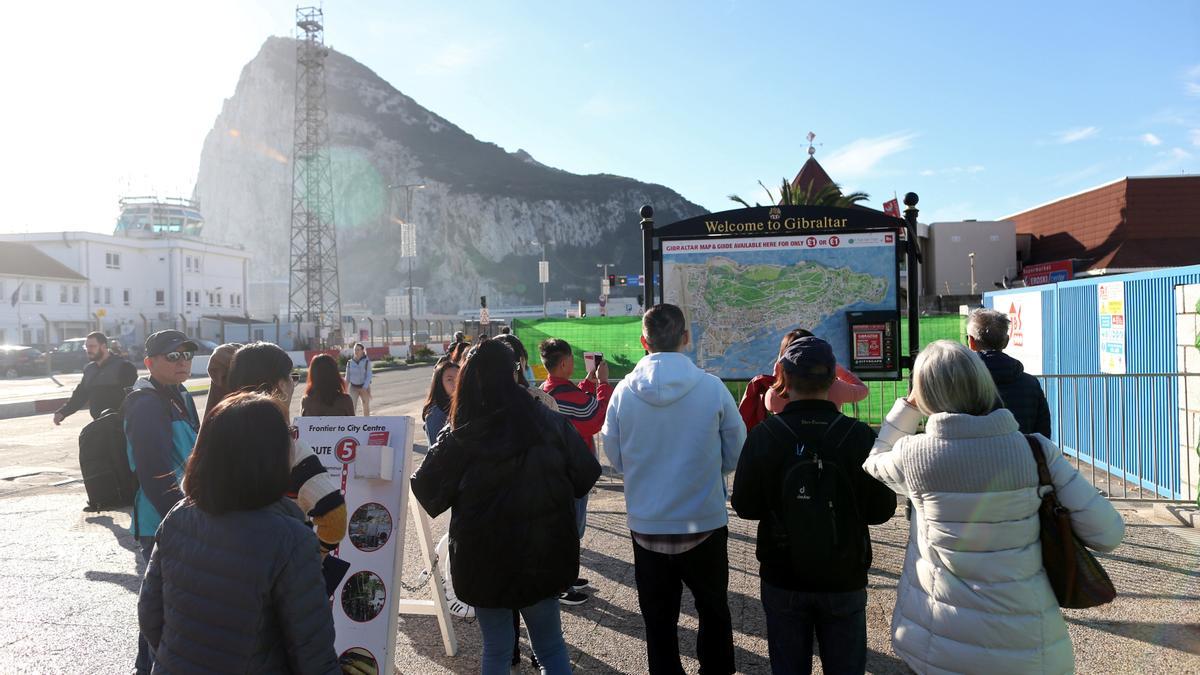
(512, 470)
(234, 583)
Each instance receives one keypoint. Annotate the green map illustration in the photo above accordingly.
(740, 303)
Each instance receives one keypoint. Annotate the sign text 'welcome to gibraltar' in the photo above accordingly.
(781, 225)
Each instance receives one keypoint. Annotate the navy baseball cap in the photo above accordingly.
(165, 341)
(809, 356)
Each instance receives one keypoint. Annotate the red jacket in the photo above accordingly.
(584, 405)
(846, 388)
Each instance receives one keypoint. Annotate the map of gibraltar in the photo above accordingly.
(740, 301)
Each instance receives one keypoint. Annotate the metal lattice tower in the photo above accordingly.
(314, 293)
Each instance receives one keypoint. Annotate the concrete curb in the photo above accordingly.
(46, 406)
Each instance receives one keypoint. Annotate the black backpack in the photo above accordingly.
(816, 519)
(104, 462)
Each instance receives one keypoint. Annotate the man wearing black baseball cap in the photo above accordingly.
(160, 429)
(800, 475)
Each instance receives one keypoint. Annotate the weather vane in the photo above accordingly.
(811, 150)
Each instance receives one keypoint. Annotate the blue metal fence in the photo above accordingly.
(1127, 426)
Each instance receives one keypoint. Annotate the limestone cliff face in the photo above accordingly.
(481, 207)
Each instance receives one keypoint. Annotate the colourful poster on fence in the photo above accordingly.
(1024, 328)
(370, 457)
(1111, 299)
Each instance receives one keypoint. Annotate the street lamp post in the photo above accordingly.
(408, 249)
(604, 289)
(543, 273)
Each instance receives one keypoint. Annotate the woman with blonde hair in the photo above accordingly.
(973, 595)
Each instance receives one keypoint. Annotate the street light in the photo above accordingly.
(604, 289)
(408, 249)
(543, 272)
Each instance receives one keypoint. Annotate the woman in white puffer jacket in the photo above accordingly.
(973, 596)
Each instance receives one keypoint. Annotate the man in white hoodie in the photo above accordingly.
(674, 431)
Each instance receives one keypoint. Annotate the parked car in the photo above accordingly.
(18, 360)
(70, 356)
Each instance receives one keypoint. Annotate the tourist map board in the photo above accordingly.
(741, 295)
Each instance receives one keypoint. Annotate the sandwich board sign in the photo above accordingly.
(371, 459)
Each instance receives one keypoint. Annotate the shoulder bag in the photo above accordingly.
(1078, 579)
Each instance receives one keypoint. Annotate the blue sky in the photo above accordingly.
(983, 110)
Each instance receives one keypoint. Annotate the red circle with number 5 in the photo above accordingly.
(346, 449)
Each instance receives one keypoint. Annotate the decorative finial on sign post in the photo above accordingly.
(811, 150)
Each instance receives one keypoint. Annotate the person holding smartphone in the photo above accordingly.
(585, 406)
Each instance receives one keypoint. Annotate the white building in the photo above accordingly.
(130, 284)
(35, 291)
(395, 303)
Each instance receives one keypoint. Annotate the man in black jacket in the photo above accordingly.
(821, 591)
(987, 333)
(106, 379)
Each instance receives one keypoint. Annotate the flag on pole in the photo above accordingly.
(892, 207)
(15, 294)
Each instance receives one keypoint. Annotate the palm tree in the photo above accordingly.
(830, 195)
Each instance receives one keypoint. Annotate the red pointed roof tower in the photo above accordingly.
(812, 177)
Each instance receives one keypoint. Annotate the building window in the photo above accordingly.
(218, 299)
(160, 297)
(26, 292)
(75, 295)
(112, 261)
(108, 296)
(62, 294)
(196, 263)
(126, 296)
(95, 295)
(39, 293)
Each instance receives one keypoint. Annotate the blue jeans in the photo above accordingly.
(545, 632)
(581, 514)
(145, 655)
(838, 620)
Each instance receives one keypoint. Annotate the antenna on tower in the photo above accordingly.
(314, 293)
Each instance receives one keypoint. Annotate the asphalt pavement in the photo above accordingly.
(69, 578)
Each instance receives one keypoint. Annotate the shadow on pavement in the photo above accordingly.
(1182, 637)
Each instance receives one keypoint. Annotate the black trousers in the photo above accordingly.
(660, 578)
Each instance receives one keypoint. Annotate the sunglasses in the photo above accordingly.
(178, 356)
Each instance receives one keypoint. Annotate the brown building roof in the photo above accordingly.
(24, 260)
(1132, 223)
(812, 177)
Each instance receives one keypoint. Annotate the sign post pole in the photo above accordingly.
(437, 606)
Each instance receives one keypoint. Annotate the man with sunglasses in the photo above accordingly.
(160, 429)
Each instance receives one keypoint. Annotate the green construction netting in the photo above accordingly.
(617, 337)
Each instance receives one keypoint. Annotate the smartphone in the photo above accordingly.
(592, 360)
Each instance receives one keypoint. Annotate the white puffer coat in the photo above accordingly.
(973, 596)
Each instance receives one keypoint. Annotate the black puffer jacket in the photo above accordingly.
(237, 593)
(512, 485)
(1020, 392)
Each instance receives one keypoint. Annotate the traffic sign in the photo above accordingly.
(543, 271)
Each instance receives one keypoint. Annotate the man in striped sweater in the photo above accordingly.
(585, 405)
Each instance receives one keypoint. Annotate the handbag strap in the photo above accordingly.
(1040, 457)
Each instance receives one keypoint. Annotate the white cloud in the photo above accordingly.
(858, 158)
(1194, 135)
(1077, 134)
(1150, 139)
(1191, 83)
(1171, 162)
(928, 172)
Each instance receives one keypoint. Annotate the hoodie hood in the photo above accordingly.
(664, 378)
(1004, 368)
